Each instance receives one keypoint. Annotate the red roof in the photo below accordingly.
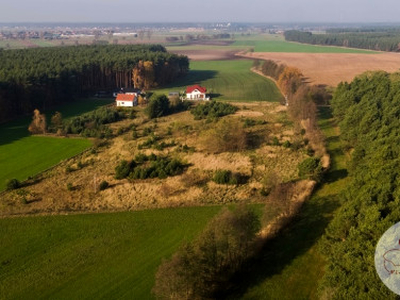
(125, 97)
(190, 89)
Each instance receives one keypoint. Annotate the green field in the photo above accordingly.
(290, 266)
(228, 80)
(98, 256)
(276, 43)
(22, 155)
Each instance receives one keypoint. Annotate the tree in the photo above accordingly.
(158, 107)
(38, 124)
(202, 269)
(56, 121)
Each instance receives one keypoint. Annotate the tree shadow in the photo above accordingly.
(193, 77)
(296, 239)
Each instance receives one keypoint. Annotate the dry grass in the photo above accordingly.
(50, 194)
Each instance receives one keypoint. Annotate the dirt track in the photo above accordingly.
(332, 68)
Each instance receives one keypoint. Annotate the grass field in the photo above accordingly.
(22, 155)
(228, 80)
(277, 43)
(99, 256)
(290, 266)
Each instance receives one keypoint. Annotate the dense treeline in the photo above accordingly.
(371, 40)
(368, 112)
(42, 77)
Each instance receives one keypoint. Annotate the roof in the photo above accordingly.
(125, 97)
(190, 89)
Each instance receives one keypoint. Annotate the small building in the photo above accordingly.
(126, 100)
(196, 92)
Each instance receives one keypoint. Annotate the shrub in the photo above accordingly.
(13, 184)
(103, 185)
(310, 168)
(70, 187)
(123, 169)
(158, 107)
(227, 135)
(286, 144)
(213, 110)
(224, 177)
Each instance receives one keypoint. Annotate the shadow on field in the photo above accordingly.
(193, 77)
(14, 130)
(294, 241)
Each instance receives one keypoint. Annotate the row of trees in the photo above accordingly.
(368, 111)
(380, 41)
(43, 77)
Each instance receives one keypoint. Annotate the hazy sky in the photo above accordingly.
(199, 10)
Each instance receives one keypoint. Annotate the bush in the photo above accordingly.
(103, 185)
(158, 107)
(224, 177)
(149, 166)
(310, 168)
(70, 187)
(227, 135)
(13, 184)
(123, 169)
(213, 110)
(286, 144)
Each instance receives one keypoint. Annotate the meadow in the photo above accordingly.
(23, 155)
(227, 80)
(93, 256)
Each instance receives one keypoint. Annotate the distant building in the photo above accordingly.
(196, 92)
(126, 100)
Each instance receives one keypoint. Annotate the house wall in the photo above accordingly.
(196, 95)
(125, 103)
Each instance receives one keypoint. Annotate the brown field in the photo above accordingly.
(332, 68)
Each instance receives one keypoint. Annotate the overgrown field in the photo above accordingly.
(22, 155)
(228, 80)
(290, 267)
(100, 256)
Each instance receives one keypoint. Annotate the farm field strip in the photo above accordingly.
(92, 256)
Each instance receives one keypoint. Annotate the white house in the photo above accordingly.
(127, 100)
(196, 92)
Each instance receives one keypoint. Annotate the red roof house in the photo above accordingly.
(196, 92)
(126, 100)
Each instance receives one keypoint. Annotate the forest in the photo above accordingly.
(379, 40)
(368, 114)
(44, 77)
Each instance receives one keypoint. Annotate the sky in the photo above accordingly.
(153, 11)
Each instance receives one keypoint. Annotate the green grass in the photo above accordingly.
(276, 43)
(22, 155)
(31, 155)
(98, 256)
(228, 80)
(290, 266)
